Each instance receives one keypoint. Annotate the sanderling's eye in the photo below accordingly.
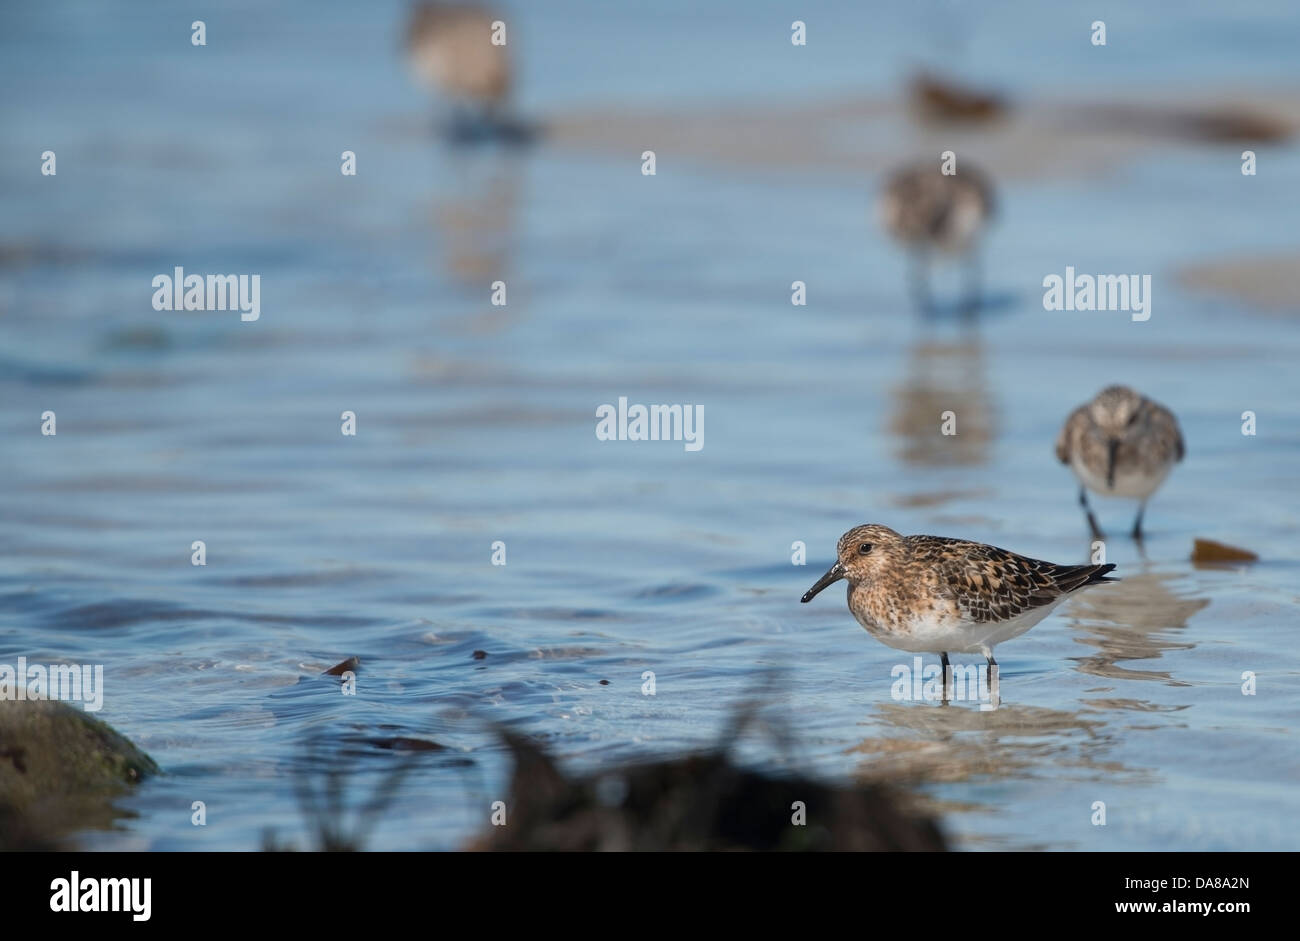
(864, 548)
(1133, 418)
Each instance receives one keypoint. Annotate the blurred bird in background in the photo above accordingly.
(1121, 444)
(932, 212)
(461, 52)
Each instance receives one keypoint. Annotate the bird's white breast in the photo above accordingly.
(1131, 483)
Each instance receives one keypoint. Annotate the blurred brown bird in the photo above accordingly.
(930, 211)
(941, 100)
(451, 50)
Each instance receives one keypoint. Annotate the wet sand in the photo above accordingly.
(862, 136)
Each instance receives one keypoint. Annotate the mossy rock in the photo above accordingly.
(60, 769)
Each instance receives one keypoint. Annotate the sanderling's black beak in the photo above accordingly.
(833, 575)
(1113, 449)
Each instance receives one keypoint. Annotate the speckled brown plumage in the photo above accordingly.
(936, 594)
(991, 584)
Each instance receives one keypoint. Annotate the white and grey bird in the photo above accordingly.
(934, 213)
(1121, 444)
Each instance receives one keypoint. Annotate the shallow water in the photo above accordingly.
(476, 424)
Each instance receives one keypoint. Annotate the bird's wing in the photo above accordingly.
(1168, 433)
(1066, 436)
(991, 584)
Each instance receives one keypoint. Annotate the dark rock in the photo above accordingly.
(1209, 552)
(406, 743)
(351, 663)
(60, 770)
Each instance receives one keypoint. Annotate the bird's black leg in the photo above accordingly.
(919, 275)
(466, 124)
(1137, 523)
(995, 693)
(1092, 520)
(971, 302)
(947, 674)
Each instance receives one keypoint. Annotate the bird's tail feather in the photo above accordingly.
(1074, 577)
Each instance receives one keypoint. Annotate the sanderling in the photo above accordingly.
(450, 48)
(931, 211)
(1121, 444)
(932, 594)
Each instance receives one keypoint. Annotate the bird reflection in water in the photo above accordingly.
(1138, 619)
(474, 219)
(943, 411)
